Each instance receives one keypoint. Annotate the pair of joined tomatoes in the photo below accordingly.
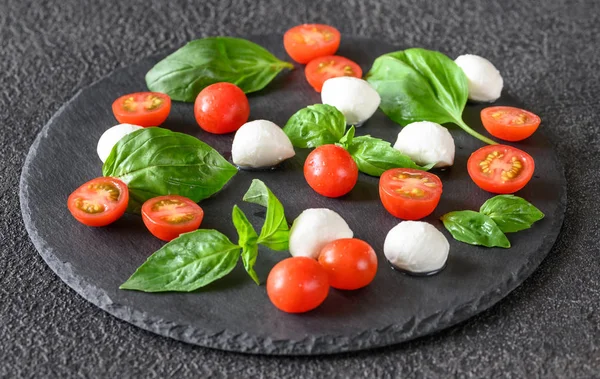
(316, 45)
(330, 171)
(142, 108)
(300, 284)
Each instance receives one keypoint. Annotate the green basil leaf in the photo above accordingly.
(374, 156)
(185, 264)
(200, 63)
(346, 140)
(511, 213)
(421, 85)
(248, 240)
(315, 125)
(474, 228)
(156, 161)
(275, 232)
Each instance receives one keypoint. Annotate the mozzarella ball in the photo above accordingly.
(416, 246)
(485, 81)
(110, 138)
(314, 229)
(354, 97)
(259, 144)
(426, 142)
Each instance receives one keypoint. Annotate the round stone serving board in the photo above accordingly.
(234, 313)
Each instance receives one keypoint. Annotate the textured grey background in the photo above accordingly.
(547, 52)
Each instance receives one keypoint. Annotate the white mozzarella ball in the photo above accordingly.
(259, 144)
(110, 138)
(416, 246)
(426, 142)
(314, 229)
(354, 97)
(485, 81)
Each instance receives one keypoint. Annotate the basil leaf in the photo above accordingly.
(346, 140)
(421, 85)
(185, 264)
(374, 156)
(156, 161)
(275, 232)
(248, 240)
(474, 228)
(315, 125)
(200, 63)
(511, 213)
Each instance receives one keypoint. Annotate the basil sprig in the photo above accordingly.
(156, 161)
(498, 215)
(421, 85)
(200, 63)
(198, 258)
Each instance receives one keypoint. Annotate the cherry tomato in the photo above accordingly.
(323, 68)
(297, 285)
(409, 194)
(142, 108)
(350, 263)
(309, 41)
(509, 123)
(221, 108)
(500, 168)
(99, 202)
(166, 217)
(330, 171)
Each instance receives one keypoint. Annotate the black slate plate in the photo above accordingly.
(233, 313)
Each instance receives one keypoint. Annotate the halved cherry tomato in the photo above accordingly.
(309, 41)
(409, 194)
(221, 108)
(99, 202)
(330, 171)
(350, 263)
(297, 285)
(142, 108)
(500, 168)
(332, 66)
(166, 217)
(509, 123)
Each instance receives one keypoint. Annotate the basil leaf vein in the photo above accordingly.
(474, 228)
(315, 125)
(248, 240)
(511, 213)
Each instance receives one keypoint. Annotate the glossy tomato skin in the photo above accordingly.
(306, 42)
(166, 217)
(509, 123)
(297, 285)
(221, 108)
(409, 194)
(350, 263)
(320, 69)
(142, 108)
(330, 171)
(500, 168)
(99, 202)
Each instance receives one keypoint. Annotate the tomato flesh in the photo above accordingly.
(509, 123)
(99, 202)
(333, 66)
(221, 108)
(500, 168)
(350, 263)
(330, 171)
(142, 108)
(409, 194)
(297, 285)
(306, 42)
(166, 217)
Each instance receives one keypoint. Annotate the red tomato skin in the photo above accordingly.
(317, 79)
(507, 132)
(406, 208)
(221, 108)
(350, 263)
(153, 118)
(330, 171)
(297, 285)
(163, 230)
(105, 218)
(303, 53)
